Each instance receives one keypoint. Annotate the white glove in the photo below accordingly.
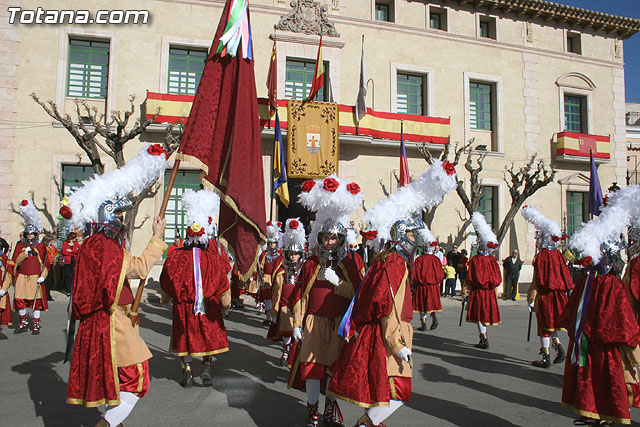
(2, 293)
(297, 334)
(27, 250)
(331, 277)
(531, 304)
(40, 279)
(404, 354)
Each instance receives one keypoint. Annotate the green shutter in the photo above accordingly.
(410, 94)
(88, 70)
(73, 176)
(480, 106)
(573, 114)
(186, 179)
(299, 78)
(185, 70)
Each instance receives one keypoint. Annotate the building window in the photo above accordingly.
(487, 27)
(411, 97)
(573, 43)
(489, 205)
(437, 18)
(577, 210)
(480, 105)
(88, 70)
(299, 78)
(185, 70)
(574, 113)
(383, 11)
(185, 180)
(73, 176)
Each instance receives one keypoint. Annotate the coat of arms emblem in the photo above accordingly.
(313, 138)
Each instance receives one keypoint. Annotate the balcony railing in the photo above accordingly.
(577, 146)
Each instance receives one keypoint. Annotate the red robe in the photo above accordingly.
(33, 265)
(360, 375)
(99, 286)
(5, 302)
(483, 277)
(553, 281)
(633, 276)
(598, 389)
(269, 272)
(322, 302)
(426, 278)
(197, 334)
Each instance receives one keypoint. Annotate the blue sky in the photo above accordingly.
(630, 9)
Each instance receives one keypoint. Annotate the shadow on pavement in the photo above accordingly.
(48, 392)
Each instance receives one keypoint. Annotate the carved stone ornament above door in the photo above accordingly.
(307, 17)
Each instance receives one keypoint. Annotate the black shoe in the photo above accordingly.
(332, 417)
(187, 378)
(434, 324)
(266, 322)
(205, 376)
(423, 325)
(560, 353)
(484, 342)
(545, 362)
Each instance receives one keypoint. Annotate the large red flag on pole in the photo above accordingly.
(405, 178)
(318, 75)
(222, 136)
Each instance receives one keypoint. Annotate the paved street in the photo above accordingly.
(453, 382)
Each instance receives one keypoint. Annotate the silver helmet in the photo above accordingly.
(332, 227)
(30, 229)
(108, 222)
(404, 245)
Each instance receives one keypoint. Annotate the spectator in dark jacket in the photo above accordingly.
(512, 266)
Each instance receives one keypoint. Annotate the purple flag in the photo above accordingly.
(595, 191)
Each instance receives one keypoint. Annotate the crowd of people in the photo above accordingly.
(344, 320)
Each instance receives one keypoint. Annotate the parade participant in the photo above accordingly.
(195, 276)
(110, 359)
(31, 269)
(177, 244)
(52, 253)
(548, 292)
(483, 277)
(237, 287)
(6, 278)
(325, 285)
(269, 268)
(427, 274)
(600, 370)
(374, 369)
(294, 242)
(69, 251)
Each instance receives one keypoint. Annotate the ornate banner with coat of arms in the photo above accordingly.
(313, 147)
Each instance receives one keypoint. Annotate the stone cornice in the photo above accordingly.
(549, 11)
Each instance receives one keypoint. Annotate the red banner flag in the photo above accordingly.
(405, 178)
(222, 136)
(318, 75)
(272, 81)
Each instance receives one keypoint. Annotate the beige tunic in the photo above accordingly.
(8, 280)
(397, 335)
(26, 286)
(130, 348)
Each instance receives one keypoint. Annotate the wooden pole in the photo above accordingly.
(133, 313)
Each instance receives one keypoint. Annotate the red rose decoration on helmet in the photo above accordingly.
(192, 233)
(269, 224)
(66, 213)
(24, 202)
(210, 220)
(353, 188)
(156, 150)
(294, 224)
(434, 243)
(605, 201)
(449, 168)
(585, 262)
(330, 184)
(279, 224)
(492, 245)
(555, 238)
(369, 235)
(308, 185)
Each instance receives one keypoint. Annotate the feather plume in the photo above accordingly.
(31, 215)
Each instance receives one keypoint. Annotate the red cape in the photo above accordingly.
(599, 386)
(552, 272)
(360, 373)
(98, 283)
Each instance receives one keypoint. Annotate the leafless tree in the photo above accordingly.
(96, 137)
(522, 182)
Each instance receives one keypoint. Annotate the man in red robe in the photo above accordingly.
(483, 277)
(426, 279)
(6, 278)
(195, 276)
(110, 359)
(601, 325)
(31, 269)
(324, 288)
(374, 369)
(270, 267)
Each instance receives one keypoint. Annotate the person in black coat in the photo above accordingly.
(512, 266)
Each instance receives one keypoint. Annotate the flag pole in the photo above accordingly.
(273, 166)
(133, 313)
